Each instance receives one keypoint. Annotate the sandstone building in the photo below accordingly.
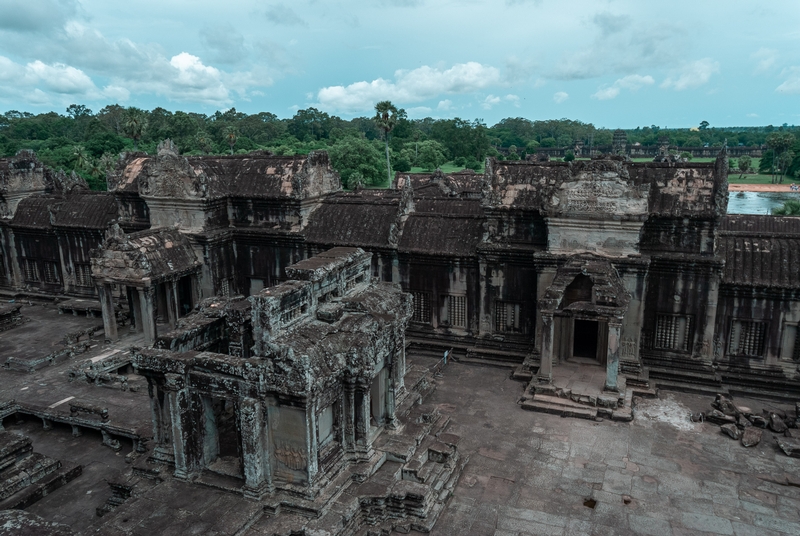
(276, 308)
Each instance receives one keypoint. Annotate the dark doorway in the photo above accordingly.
(584, 342)
(185, 303)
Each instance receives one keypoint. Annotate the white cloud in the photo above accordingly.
(419, 111)
(560, 96)
(631, 82)
(409, 86)
(792, 83)
(445, 105)
(692, 75)
(765, 59)
(492, 100)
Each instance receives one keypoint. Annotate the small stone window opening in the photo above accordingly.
(422, 307)
(51, 272)
(507, 317)
(31, 269)
(225, 287)
(353, 281)
(747, 338)
(83, 275)
(673, 332)
(455, 311)
(325, 426)
(293, 313)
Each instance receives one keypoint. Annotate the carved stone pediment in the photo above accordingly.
(171, 175)
(603, 191)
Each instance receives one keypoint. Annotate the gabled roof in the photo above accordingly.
(157, 254)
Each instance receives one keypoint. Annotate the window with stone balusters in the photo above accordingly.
(422, 307)
(747, 338)
(673, 332)
(454, 311)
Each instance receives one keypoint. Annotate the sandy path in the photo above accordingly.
(759, 188)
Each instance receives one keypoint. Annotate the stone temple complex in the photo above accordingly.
(258, 321)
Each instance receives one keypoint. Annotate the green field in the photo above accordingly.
(449, 167)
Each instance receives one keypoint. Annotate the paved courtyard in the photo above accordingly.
(533, 473)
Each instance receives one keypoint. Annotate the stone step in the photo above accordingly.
(559, 406)
(41, 488)
(692, 388)
(26, 472)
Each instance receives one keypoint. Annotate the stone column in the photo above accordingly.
(135, 311)
(707, 343)
(180, 418)
(257, 480)
(312, 441)
(612, 360)
(545, 374)
(362, 413)
(109, 318)
(148, 315)
(162, 451)
(349, 416)
(172, 304)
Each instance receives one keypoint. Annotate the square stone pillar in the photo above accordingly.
(612, 359)
(708, 344)
(172, 304)
(109, 318)
(180, 417)
(148, 317)
(349, 416)
(255, 454)
(545, 374)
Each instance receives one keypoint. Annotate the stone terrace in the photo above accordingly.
(531, 473)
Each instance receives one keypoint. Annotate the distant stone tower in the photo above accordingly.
(620, 142)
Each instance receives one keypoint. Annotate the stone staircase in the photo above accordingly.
(27, 476)
(549, 398)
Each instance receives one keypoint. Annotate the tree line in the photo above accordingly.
(365, 150)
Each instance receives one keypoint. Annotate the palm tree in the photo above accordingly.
(203, 142)
(386, 119)
(134, 126)
(81, 157)
(231, 135)
(789, 208)
(107, 162)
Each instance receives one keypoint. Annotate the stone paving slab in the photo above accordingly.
(531, 473)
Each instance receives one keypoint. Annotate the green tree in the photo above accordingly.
(203, 141)
(745, 163)
(357, 155)
(779, 143)
(789, 208)
(135, 125)
(703, 125)
(386, 119)
(569, 156)
(431, 155)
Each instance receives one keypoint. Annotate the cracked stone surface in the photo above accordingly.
(530, 473)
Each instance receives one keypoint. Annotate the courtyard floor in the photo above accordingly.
(534, 473)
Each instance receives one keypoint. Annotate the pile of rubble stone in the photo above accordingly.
(745, 425)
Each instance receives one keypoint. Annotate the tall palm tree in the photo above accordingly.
(231, 135)
(386, 119)
(81, 156)
(134, 126)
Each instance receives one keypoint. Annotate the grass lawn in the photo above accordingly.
(449, 167)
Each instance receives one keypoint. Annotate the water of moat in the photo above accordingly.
(758, 202)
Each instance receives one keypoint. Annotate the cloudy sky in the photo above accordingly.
(616, 63)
